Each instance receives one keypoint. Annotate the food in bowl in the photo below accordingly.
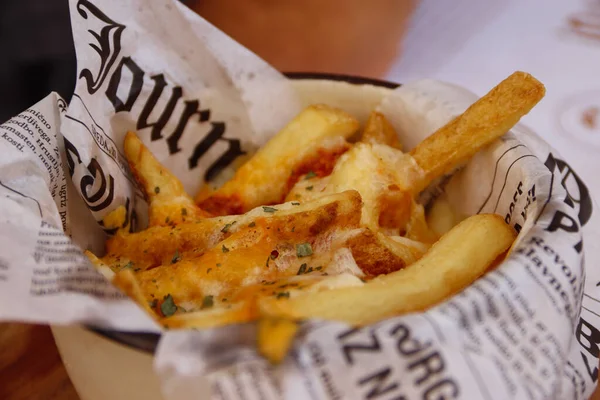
(322, 222)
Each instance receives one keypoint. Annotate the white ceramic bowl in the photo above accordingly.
(101, 368)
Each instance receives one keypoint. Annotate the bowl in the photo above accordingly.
(104, 364)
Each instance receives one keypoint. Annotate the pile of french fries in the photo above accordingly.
(322, 222)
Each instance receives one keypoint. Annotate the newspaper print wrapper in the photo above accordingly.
(199, 101)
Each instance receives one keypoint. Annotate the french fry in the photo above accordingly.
(378, 130)
(157, 245)
(275, 337)
(126, 281)
(266, 249)
(216, 316)
(441, 217)
(377, 254)
(168, 201)
(484, 121)
(456, 260)
(417, 228)
(371, 170)
(312, 140)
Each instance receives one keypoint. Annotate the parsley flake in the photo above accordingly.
(218, 264)
(128, 265)
(184, 211)
(310, 187)
(168, 306)
(224, 249)
(153, 303)
(283, 295)
(295, 203)
(207, 302)
(208, 270)
(156, 189)
(302, 270)
(268, 209)
(227, 226)
(176, 257)
(252, 224)
(319, 268)
(303, 250)
(310, 175)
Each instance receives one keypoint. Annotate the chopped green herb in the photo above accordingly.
(184, 211)
(137, 269)
(227, 226)
(156, 189)
(293, 228)
(303, 250)
(207, 302)
(208, 270)
(283, 294)
(310, 187)
(176, 257)
(167, 220)
(310, 175)
(309, 270)
(153, 280)
(128, 265)
(153, 303)
(302, 270)
(252, 224)
(295, 203)
(283, 286)
(268, 209)
(224, 249)
(218, 264)
(168, 306)
(319, 268)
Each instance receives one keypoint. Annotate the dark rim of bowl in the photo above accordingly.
(147, 342)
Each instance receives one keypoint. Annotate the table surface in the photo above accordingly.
(30, 366)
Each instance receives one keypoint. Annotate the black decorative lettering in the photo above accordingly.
(350, 348)
(108, 47)
(137, 80)
(380, 382)
(191, 108)
(159, 84)
(431, 364)
(578, 195)
(560, 220)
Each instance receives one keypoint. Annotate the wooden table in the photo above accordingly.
(30, 366)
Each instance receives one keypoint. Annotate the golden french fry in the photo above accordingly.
(100, 266)
(157, 245)
(484, 121)
(275, 337)
(215, 316)
(377, 254)
(456, 260)
(417, 228)
(126, 281)
(372, 171)
(379, 130)
(266, 249)
(311, 141)
(168, 201)
(441, 217)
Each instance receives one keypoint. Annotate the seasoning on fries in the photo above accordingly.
(320, 223)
